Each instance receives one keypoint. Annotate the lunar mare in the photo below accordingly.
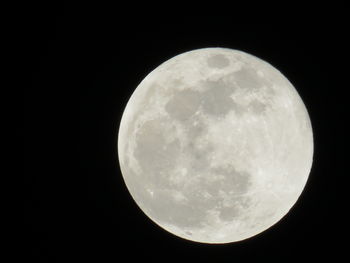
(215, 145)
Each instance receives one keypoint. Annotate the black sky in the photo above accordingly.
(83, 72)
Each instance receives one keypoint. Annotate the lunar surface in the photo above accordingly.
(215, 145)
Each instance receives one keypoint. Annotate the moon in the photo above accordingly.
(215, 145)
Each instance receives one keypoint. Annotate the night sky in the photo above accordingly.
(84, 69)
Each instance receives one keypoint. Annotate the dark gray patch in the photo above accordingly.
(216, 99)
(152, 152)
(188, 233)
(137, 185)
(245, 202)
(228, 213)
(233, 180)
(199, 159)
(165, 209)
(142, 107)
(239, 110)
(248, 78)
(218, 61)
(161, 205)
(195, 130)
(199, 200)
(257, 107)
(183, 104)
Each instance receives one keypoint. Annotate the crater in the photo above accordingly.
(218, 61)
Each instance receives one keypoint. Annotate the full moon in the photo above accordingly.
(215, 145)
